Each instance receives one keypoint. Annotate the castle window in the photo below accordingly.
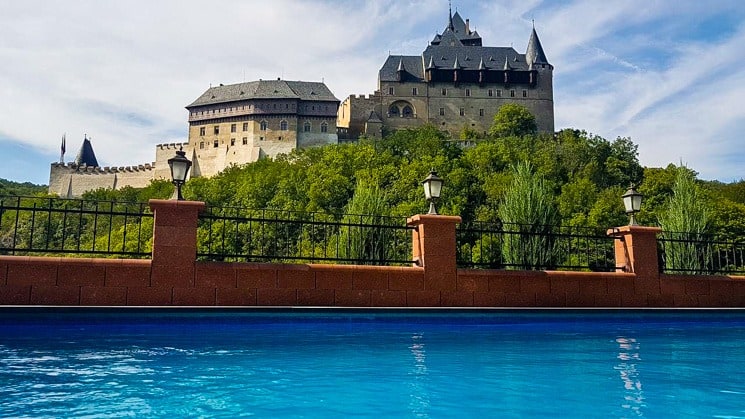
(414, 91)
(444, 91)
(491, 92)
(481, 112)
(245, 140)
(462, 111)
(468, 92)
(390, 90)
(232, 127)
(217, 129)
(324, 127)
(393, 110)
(512, 93)
(407, 112)
(525, 93)
(232, 141)
(499, 92)
(280, 138)
(261, 138)
(245, 126)
(216, 144)
(442, 111)
(306, 126)
(263, 125)
(283, 125)
(201, 145)
(202, 131)
(313, 107)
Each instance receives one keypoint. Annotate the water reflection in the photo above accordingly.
(418, 395)
(628, 355)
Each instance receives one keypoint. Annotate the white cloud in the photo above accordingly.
(122, 72)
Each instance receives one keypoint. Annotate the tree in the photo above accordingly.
(513, 119)
(686, 226)
(529, 215)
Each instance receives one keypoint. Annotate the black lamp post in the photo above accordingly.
(432, 188)
(179, 169)
(632, 200)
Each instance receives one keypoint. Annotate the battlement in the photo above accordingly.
(72, 167)
(171, 146)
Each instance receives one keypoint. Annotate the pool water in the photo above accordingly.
(149, 363)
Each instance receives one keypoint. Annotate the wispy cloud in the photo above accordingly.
(666, 74)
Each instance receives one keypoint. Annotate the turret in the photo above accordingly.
(86, 156)
(534, 53)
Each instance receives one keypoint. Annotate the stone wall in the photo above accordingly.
(70, 180)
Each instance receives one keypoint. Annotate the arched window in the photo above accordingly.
(407, 112)
(283, 125)
(324, 127)
(393, 110)
(306, 126)
(263, 125)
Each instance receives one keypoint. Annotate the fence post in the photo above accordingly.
(433, 244)
(636, 250)
(174, 242)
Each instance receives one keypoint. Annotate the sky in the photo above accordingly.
(669, 74)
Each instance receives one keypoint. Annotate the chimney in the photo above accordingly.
(468, 27)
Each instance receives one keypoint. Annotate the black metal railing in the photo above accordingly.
(518, 246)
(240, 234)
(699, 254)
(42, 226)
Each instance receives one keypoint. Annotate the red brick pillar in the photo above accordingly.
(636, 251)
(434, 249)
(174, 242)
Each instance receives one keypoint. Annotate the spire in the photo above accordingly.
(507, 66)
(481, 64)
(450, 16)
(534, 53)
(86, 156)
(456, 64)
(401, 64)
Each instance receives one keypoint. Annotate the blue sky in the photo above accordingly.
(668, 74)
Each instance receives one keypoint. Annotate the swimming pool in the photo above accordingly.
(165, 363)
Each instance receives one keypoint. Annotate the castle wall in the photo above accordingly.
(354, 112)
(69, 180)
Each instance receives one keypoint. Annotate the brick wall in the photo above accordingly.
(174, 278)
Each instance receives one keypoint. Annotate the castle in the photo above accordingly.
(455, 84)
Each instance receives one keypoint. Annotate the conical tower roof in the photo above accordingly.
(534, 53)
(86, 156)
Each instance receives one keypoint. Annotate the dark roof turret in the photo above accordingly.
(534, 52)
(86, 156)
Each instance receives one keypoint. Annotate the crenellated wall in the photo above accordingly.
(70, 180)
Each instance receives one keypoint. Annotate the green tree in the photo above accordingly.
(686, 226)
(513, 119)
(529, 215)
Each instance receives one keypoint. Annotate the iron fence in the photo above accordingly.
(534, 247)
(699, 254)
(240, 234)
(35, 225)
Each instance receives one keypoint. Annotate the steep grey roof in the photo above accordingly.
(534, 53)
(412, 63)
(266, 89)
(86, 156)
(457, 27)
(442, 56)
(374, 117)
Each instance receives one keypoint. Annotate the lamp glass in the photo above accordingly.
(432, 186)
(179, 167)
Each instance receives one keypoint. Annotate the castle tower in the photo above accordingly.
(456, 83)
(86, 156)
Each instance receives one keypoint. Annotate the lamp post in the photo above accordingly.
(179, 165)
(432, 188)
(632, 200)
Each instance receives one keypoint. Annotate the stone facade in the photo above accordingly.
(455, 83)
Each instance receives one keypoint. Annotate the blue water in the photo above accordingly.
(372, 364)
